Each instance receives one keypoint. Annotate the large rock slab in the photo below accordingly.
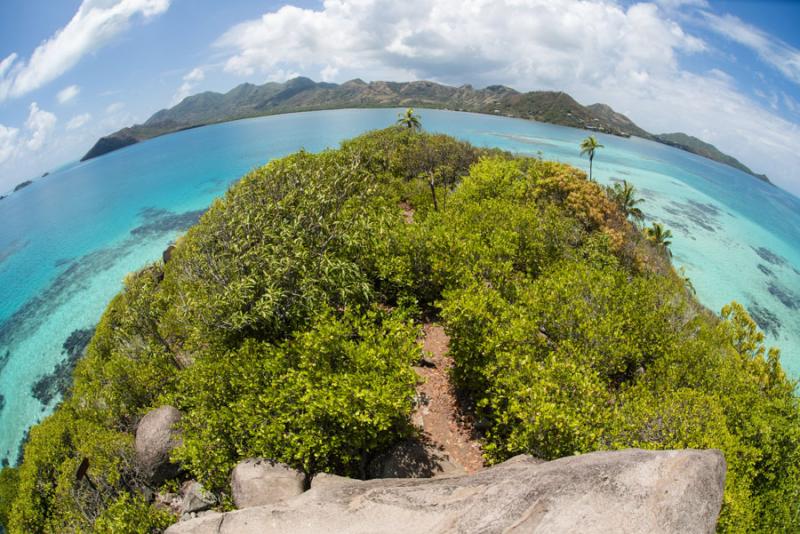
(156, 436)
(256, 482)
(629, 492)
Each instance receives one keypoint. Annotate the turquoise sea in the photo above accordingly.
(68, 240)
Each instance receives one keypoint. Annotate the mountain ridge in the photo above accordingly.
(248, 100)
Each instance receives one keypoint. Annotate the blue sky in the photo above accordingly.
(728, 72)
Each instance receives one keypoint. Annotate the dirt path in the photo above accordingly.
(438, 413)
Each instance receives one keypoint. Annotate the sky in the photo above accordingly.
(72, 71)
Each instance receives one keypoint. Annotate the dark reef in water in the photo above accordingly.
(766, 270)
(58, 381)
(158, 221)
(702, 215)
(72, 280)
(12, 249)
(672, 223)
(765, 319)
(769, 256)
(787, 298)
(2, 402)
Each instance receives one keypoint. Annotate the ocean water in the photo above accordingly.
(68, 240)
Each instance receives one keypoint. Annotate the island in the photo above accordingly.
(409, 306)
(22, 185)
(303, 94)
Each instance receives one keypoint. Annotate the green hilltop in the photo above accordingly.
(285, 325)
(302, 94)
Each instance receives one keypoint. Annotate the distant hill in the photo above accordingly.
(701, 148)
(303, 94)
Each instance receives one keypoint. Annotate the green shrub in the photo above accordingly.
(132, 515)
(9, 479)
(323, 400)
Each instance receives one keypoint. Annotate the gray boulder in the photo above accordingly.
(412, 459)
(156, 436)
(628, 492)
(196, 498)
(256, 481)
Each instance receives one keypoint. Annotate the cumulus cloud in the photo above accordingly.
(8, 142)
(190, 80)
(38, 129)
(68, 93)
(41, 124)
(627, 55)
(94, 24)
(78, 121)
(551, 41)
(782, 56)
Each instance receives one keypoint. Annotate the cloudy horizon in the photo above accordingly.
(721, 72)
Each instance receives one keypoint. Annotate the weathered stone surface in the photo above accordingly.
(255, 482)
(196, 498)
(412, 459)
(327, 480)
(628, 492)
(155, 438)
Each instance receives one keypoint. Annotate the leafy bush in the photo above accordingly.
(321, 401)
(590, 352)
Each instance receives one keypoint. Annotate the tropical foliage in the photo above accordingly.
(624, 194)
(588, 148)
(659, 236)
(286, 323)
(409, 119)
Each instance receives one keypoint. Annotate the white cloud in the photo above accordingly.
(551, 41)
(78, 121)
(8, 142)
(68, 93)
(6, 64)
(94, 24)
(196, 75)
(41, 124)
(190, 80)
(782, 56)
(596, 50)
(114, 107)
(38, 129)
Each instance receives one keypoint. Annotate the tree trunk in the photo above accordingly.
(590, 167)
(433, 194)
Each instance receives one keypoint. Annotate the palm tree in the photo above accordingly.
(409, 119)
(625, 196)
(659, 236)
(588, 146)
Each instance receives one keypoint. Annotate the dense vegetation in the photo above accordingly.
(285, 325)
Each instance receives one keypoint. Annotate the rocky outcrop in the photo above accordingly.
(328, 480)
(632, 491)
(255, 482)
(156, 436)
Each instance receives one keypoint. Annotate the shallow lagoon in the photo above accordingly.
(68, 240)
